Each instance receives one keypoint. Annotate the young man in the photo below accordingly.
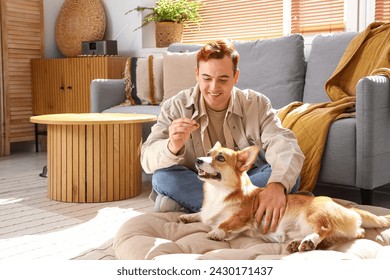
(214, 110)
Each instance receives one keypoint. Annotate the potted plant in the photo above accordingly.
(169, 16)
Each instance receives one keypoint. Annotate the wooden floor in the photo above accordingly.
(35, 227)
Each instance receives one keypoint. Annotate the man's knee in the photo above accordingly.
(172, 177)
(172, 171)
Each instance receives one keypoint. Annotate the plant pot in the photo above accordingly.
(168, 33)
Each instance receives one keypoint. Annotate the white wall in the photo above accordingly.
(50, 11)
(129, 42)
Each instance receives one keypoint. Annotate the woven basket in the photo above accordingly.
(79, 21)
(168, 33)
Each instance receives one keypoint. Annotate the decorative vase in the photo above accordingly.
(168, 33)
(78, 21)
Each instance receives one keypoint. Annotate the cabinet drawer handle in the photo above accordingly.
(69, 87)
(62, 87)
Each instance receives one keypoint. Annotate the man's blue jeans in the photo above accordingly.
(183, 185)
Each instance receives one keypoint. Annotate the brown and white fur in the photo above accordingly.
(231, 200)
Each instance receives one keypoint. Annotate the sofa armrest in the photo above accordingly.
(373, 132)
(106, 93)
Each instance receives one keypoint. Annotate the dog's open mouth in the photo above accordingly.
(205, 175)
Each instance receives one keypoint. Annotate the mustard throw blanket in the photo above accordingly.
(367, 54)
(310, 123)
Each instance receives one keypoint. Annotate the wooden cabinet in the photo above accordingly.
(21, 31)
(63, 85)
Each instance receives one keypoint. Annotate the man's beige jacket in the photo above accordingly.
(250, 120)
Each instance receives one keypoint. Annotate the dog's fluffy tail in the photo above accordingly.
(371, 220)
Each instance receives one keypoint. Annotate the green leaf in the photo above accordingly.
(171, 10)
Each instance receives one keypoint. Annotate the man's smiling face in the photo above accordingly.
(216, 79)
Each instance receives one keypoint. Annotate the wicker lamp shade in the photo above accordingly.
(79, 20)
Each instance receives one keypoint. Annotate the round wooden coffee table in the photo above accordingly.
(94, 157)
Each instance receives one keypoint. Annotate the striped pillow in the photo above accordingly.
(143, 78)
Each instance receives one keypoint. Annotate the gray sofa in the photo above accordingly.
(357, 151)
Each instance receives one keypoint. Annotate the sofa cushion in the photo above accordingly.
(143, 78)
(274, 67)
(179, 72)
(326, 52)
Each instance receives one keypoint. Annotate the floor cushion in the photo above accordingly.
(161, 236)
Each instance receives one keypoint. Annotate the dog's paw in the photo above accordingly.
(216, 234)
(306, 245)
(189, 218)
(310, 242)
(360, 233)
(292, 247)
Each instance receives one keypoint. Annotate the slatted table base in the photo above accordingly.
(94, 162)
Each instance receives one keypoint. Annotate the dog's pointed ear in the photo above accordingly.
(217, 146)
(247, 157)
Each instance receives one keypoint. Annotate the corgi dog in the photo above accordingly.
(231, 200)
